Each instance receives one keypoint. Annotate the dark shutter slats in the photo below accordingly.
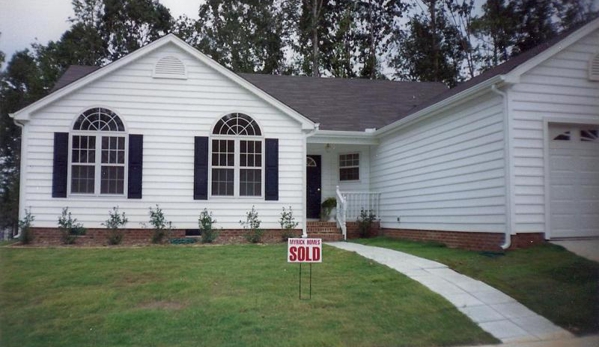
(272, 170)
(61, 165)
(136, 154)
(200, 173)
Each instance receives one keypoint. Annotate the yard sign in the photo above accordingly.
(304, 251)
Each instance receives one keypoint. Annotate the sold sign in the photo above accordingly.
(304, 250)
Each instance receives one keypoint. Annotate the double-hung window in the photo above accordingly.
(349, 167)
(237, 164)
(98, 154)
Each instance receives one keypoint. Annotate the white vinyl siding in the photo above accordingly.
(169, 113)
(557, 88)
(330, 167)
(445, 172)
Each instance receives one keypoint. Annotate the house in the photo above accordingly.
(506, 159)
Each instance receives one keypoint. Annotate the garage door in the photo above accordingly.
(574, 180)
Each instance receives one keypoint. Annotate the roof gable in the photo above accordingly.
(73, 80)
(510, 72)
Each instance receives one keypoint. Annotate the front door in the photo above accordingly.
(313, 186)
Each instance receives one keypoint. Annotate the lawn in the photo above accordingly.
(235, 295)
(547, 279)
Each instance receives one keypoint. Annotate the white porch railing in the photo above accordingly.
(341, 213)
(350, 204)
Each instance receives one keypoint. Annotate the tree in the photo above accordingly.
(373, 30)
(243, 35)
(430, 49)
(496, 29)
(123, 25)
(314, 35)
(572, 13)
(20, 85)
(534, 24)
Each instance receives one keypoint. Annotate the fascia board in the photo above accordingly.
(343, 137)
(553, 50)
(440, 106)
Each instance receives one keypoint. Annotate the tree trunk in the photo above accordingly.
(315, 69)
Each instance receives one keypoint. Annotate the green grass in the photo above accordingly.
(548, 279)
(236, 295)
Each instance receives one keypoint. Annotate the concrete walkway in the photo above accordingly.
(494, 311)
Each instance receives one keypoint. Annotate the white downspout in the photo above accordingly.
(305, 193)
(508, 166)
(22, 166)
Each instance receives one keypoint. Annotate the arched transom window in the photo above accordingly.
(98, 153)
(237, 157)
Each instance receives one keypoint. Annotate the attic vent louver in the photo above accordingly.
(170, 67)
(594, 68)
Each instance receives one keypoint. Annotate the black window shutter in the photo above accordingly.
(61, 165)
(200, 172)
(136, 155)
(272, 169)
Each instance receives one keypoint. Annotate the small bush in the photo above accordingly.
(288, 224)
(162, 227)
(365, 222)
(252, 224)
(25, 227)
(114, 223)
(327, 207)
(206, 221)
(69, 228)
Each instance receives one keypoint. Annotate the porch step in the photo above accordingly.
(326, 237)
(327, 231)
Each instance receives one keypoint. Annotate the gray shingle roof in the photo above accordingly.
(73, 73)
(346, 104)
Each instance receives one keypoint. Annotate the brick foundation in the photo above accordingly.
(467, 240)
(99, 237)
(353, 231)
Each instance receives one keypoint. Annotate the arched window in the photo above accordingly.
(98, 153)
(237, 157)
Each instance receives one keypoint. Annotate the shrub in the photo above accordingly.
(114, 223)
(327, 207)
(252, 224)
(69, 228)
(162, 227)
(288, 224)
(206, 221)
(365, 222)
(25, 227)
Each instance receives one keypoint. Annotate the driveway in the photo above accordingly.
(584, 248)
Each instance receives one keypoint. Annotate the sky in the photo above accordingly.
(23, 22)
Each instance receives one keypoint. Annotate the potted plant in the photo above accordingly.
(327, 209)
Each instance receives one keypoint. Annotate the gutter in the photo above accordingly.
(366, 137)
(21, 186)
(508, 162)
(304, 189)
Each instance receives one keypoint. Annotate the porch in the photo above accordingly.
(338, 170)
(343, 220)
